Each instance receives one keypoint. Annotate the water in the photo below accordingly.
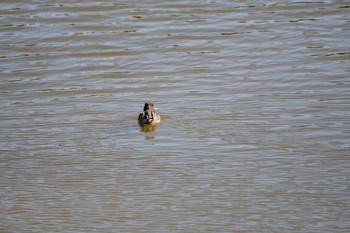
(254, 97)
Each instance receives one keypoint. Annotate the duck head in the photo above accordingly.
(149, 106)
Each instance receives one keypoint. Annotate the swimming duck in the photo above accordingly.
(149, 116)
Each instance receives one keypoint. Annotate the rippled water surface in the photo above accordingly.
(254, 97)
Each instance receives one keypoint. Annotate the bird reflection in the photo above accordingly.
(148, 128)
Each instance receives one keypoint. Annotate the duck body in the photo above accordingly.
(148, 116)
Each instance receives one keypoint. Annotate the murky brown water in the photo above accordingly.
(255, 103)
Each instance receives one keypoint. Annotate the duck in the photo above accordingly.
(149, 116)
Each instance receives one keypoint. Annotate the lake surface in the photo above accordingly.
(255, 105)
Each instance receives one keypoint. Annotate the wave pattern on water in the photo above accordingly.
(254, 97)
